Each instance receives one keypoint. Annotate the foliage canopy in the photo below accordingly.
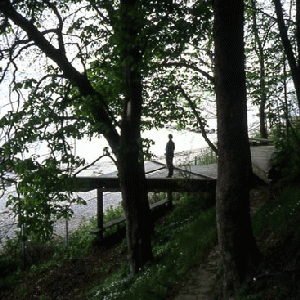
(62, 64)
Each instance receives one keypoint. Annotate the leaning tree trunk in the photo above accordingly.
(238, 247)
(292, 59)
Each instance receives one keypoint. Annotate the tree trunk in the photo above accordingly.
(263, 94)
(135, 201)
(130, 157)
(262, 74)
(262, 116)
(238, 247)
(292, 59)
(263, 98)
(132, 179)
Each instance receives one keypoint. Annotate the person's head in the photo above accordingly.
(170, 136)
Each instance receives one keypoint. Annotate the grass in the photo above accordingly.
(42, 256)
(277, 216)
(207, 156)
(276, 225)
(181, 240)
(179, 243)
(79, 244)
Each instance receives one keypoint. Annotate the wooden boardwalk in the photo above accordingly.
(194, 177)
(186, 178)
(260, 157)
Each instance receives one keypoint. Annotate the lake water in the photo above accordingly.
(186, 145)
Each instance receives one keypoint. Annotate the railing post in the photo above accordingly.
(100, 212)
(23, 246)
(67, 234)
(169, 199)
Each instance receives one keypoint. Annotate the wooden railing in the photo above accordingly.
(260, 142)
(112, 184)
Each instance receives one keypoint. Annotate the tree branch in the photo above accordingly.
(35, 35)
(284, 36)
(59, 28)
(100, 13)
(200, 120)
(189, 66)
(105, 153)
(100, 110)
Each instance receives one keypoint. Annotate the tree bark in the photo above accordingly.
(135, 202)
(239, 252)
(101, 113)
(133, 182)
(126, 146)
(200, 120)
(262, 75)
(130, 158)
(292, 59)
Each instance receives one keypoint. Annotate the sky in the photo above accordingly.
(185, 140)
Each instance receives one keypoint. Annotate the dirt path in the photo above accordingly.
(201, 281)
(200, 284)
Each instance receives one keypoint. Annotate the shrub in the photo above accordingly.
(287, 156)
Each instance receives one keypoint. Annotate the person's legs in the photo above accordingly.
(169, 161)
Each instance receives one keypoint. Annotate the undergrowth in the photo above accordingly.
(208, 156)
(276, 216)
(178, 244)
(276, 222)
(40, 256)
(180, 241)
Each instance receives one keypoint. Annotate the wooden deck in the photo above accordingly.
(189, 178)
(186, 178)
(260, 157)
(261, 160)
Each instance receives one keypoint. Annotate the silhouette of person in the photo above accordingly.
(170, 147)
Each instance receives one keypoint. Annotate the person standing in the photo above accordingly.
(170, 148)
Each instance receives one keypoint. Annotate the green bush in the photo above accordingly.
(287, 156)
(207, 156)
(276, 216)
(113, 213)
